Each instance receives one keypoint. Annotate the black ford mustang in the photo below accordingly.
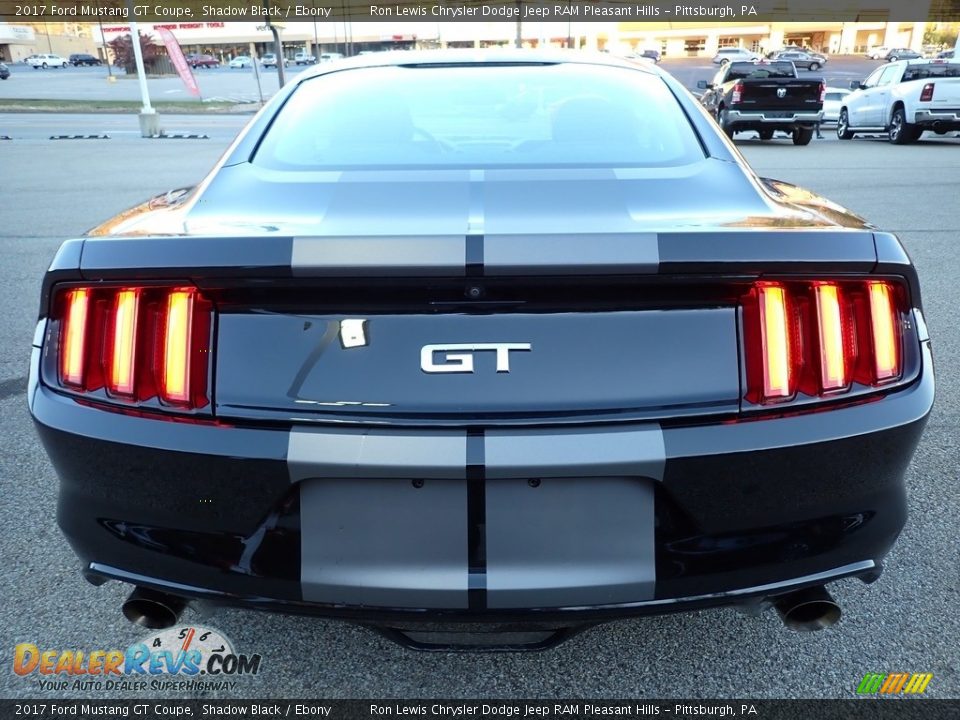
(479, 349)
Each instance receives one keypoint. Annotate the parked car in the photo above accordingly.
(945, 55)
(304, 58)
(903, 99)
(241, 61)
(45, 61)
(330, 57)
(4, 71)
(902, 54)
(731, 54)
(764, 96)
(832, 102)
(800, 59)
(877, 52)
(78, 59)
(649, 54)
(202, 61)
(270, 60)
(660, 385)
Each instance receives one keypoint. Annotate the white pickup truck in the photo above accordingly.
(903, 99)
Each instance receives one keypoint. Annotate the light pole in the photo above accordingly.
(103, 42)
(277, 45)
(149, 120)
(518, 43)
(316, 41)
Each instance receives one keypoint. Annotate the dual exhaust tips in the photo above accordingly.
(804, 610)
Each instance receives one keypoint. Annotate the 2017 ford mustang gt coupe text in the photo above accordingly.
(478, 350)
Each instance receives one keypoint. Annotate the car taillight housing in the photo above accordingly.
(737, 93)
(926, 94)
(820, 338)
(135, 344)
(823, 91)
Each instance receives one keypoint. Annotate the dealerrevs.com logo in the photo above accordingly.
(180, 658)
(894, 683)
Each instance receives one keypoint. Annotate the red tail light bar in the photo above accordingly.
(136, 344)
(819, 338)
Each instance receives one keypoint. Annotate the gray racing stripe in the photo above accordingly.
(567, 542)
(558, 254)
(369, 542)
(570, 516)
(376, 453)
(379, 256)
(369, 534)
(633, 450)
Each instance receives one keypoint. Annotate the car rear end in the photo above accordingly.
(937, 106)
(530, 396)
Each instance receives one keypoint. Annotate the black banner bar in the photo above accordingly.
(283, 12)
(511, 709)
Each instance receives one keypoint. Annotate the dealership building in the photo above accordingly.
(227, 39)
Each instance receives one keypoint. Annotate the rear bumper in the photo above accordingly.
(771, 118)
(949, 119)
(584, 524)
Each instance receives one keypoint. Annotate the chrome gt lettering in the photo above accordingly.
(458, 357)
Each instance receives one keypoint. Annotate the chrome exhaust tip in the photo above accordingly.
(153, 610)
(808, 610)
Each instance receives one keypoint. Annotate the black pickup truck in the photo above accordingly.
(766, 97)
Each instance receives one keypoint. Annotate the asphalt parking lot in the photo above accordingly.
(905, 622)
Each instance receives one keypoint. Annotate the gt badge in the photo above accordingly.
(458, 358)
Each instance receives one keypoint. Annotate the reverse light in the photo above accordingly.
(143, 345)
(820, 338)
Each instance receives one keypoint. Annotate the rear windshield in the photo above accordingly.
(933, 70)
(480, 116)
(739, 71)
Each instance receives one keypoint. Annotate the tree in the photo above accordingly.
(122, 48)
(941, 34)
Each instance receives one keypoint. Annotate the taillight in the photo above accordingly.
(835, 355)
(136, 344)
(775, 341)
(886, 336)
(819, 338)
(73, 334)
(123, 351)
(737, 92)
(823, 91)
(926, 94)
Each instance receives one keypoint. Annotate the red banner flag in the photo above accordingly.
(179, 61)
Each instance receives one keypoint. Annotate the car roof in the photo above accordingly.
(467, 57)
